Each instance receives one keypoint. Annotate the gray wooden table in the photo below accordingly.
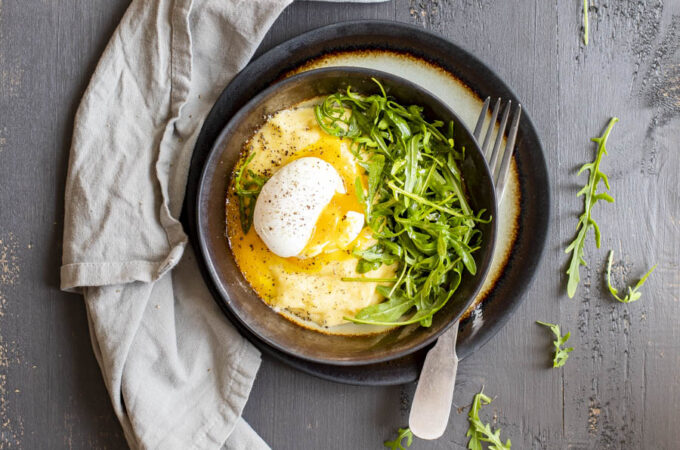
(619, 389)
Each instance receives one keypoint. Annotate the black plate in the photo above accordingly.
(526, 252)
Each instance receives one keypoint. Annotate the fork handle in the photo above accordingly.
(431, 405)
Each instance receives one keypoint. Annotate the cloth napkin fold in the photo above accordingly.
(177, 372)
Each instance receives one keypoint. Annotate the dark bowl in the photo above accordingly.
(237, 294)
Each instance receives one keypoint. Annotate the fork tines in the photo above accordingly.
(498, 159)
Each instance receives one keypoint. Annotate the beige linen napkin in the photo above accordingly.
(177, 372)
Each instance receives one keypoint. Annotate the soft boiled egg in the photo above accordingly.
(301, 212)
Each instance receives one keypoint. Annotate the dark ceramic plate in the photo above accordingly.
(532, 226)
(235, 292)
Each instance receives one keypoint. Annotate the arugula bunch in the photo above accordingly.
(414, 203)
(633, 293)
(478, 431)
(586, 222)
(561, 354)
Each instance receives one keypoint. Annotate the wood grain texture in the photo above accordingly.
(620, 387)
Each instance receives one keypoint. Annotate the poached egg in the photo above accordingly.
(303, 210)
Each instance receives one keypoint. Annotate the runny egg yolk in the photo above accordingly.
(336, 228)
(341, 221)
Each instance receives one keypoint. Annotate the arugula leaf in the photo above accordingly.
(375, 171)
(400, 124)
(413, 149)
(561, 354)
(396, 444)
(585, 22)
(479, 432)
(364, 265)
(586, 222)
(633, 293)
(415, 204)
(389, 311)
(247, 189)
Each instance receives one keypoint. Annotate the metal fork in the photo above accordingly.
(431, 404)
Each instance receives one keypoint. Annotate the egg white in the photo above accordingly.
(291, 201)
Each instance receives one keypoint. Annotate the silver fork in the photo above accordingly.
(431, 404)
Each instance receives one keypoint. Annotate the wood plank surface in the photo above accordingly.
(619, 389)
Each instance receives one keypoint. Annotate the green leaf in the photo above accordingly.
(364, 266)
(561, 354)
(586, 222)
(400, 124)
(397, 443)
(359, 190)
(413, 147)
(375, 175)
(603, 196)
(633, 293)
(247, 188)
(585, 22)
(478, 431)
(389, 311)
(422, 315)
(465, 256)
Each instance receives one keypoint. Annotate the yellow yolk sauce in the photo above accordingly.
(307, 289)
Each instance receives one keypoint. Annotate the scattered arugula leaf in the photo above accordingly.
(633, 293)
(585, 22)
(397, 443)
(247, 185)
(479, 432)
(561, 354)
(591, 197)
(414, 203)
